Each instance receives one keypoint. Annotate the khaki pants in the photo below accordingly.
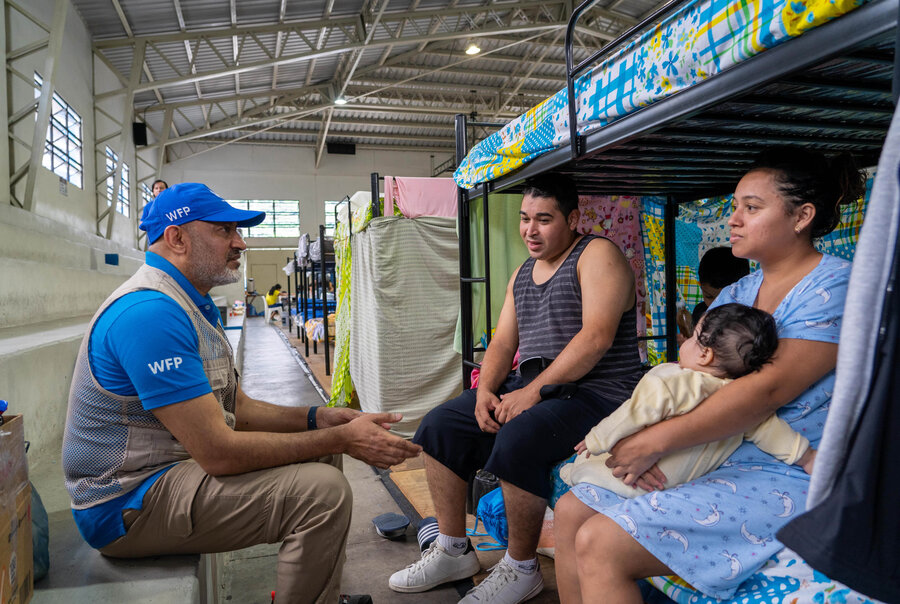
(304, 506)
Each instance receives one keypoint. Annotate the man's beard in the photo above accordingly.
(208, 271)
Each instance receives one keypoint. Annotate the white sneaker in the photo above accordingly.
(435, 567)
(505, 585)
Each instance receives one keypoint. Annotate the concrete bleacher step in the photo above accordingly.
(78, 573)
(81, 575)
(36, 364)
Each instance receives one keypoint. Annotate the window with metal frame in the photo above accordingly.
(282, 217)
(146, 195)
(123, 200)
(63, 143)
(329, 217)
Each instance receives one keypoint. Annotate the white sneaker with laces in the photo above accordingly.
(435, 567)
(505, 585)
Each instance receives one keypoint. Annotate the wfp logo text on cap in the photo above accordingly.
(178, 213)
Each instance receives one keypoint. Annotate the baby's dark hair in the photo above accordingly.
(743, 338)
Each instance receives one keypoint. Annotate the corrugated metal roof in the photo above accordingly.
(406, 84)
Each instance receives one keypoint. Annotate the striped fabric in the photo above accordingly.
(552, 312)
(428, 532)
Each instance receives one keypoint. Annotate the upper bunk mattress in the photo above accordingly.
(699, 40)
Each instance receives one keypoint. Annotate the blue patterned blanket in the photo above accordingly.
(699, 40)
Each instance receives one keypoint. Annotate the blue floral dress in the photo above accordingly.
(718, 530)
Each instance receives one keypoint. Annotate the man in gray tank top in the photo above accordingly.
(165, 454)
(570, 311)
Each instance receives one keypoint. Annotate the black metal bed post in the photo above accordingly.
(315, 300)
(671, 213)
(297, 293)
(376, 209)
(574, 141)
(289, 258)
(577, 143)
(305, 310)
(487, 265)
(324, 299)
(465, 259)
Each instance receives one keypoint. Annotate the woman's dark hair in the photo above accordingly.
(743, 338)
(719, 267)
(805, 176)
(274, 287)
(155, 182)
(558, 186)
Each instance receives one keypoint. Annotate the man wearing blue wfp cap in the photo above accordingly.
(165, 454)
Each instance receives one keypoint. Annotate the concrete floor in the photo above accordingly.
(271, 373)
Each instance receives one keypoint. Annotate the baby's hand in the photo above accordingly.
(808, 460)
(582, 448)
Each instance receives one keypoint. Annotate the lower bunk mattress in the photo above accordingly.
(785, 579)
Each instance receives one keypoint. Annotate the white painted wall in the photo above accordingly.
(53, 274)
(247, 171)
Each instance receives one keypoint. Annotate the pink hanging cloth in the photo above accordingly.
(416, 196)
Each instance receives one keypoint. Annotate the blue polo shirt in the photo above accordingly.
(144, 345)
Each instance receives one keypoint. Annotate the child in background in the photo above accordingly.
(718, 268)
(274, 293)
(730, 341)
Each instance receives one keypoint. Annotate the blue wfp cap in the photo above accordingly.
(189, 201)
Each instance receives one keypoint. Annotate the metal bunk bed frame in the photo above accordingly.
(698, 142)
(304, 283)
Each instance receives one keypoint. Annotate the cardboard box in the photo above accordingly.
(16, 562)
(13, 466)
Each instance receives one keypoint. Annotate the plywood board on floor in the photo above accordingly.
(414, 487)
(413, 463)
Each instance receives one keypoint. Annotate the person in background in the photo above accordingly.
(158, 187)
(163, 451)
(272, 296)
(718, 268)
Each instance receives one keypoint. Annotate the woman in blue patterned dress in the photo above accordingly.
(718, 530)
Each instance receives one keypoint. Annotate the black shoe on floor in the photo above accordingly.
(363, 599)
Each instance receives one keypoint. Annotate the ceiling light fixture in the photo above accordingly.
(340, 101)
(472, 49)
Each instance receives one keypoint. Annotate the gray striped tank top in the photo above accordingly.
(549, 316)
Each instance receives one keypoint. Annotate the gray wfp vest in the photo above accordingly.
(112, 443)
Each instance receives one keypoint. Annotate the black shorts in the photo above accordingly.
(525, 449)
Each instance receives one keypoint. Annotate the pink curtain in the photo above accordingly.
(420, 196)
